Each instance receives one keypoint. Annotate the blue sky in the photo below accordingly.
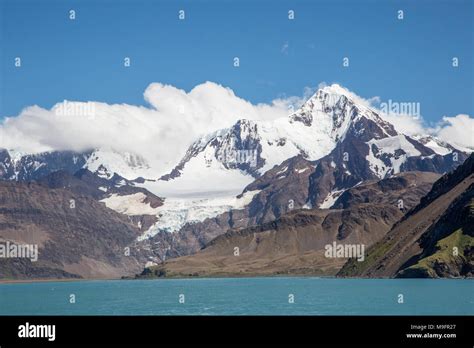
(406, 61)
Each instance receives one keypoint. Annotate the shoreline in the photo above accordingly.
(52, 280)
(62, 280)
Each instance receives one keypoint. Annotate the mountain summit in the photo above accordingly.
(335, 122)
(333, 142)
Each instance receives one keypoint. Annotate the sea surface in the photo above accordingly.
(241, 296)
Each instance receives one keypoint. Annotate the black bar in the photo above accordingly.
(261, 330)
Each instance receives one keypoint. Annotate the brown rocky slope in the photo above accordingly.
(435, 239)
(76, 235)
(295, 242)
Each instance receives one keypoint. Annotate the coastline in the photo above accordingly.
(239, 276)
(52, 280)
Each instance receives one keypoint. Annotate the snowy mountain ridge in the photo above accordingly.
(218, 166)
(248, 148)
(313, 131)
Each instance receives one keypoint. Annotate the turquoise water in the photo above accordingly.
(241, 296)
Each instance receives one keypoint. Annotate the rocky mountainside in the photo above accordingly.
(295, 242)
(448, 246)
(403, 190)
(295, 184)
(435, 239)
(369, 149)
(245, 176)
(343, 141)
(105, 163)
(354, 145)
(77, 236)
(116, 192)
(28, 167)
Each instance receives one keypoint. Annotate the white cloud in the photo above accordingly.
(406, 124)
(458, 130)
(160, 133)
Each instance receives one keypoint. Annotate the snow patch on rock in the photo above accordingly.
(133, 204)
(331, 199)
(386, 155)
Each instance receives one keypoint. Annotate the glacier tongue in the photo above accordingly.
(213, 171)
(178, 211)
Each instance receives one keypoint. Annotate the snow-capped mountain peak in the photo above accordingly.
(313, 131)
(343, 109)
(338, 139)
(249, 148)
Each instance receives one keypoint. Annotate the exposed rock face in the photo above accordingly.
(281, 191)
(294, 243)
(435, 239)
(403, 190)
(76, 235)
(331, 153)
(239, 147)
(366, 148)
(84, 182)
(354, 161)
(31, 167)
(104, 163)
